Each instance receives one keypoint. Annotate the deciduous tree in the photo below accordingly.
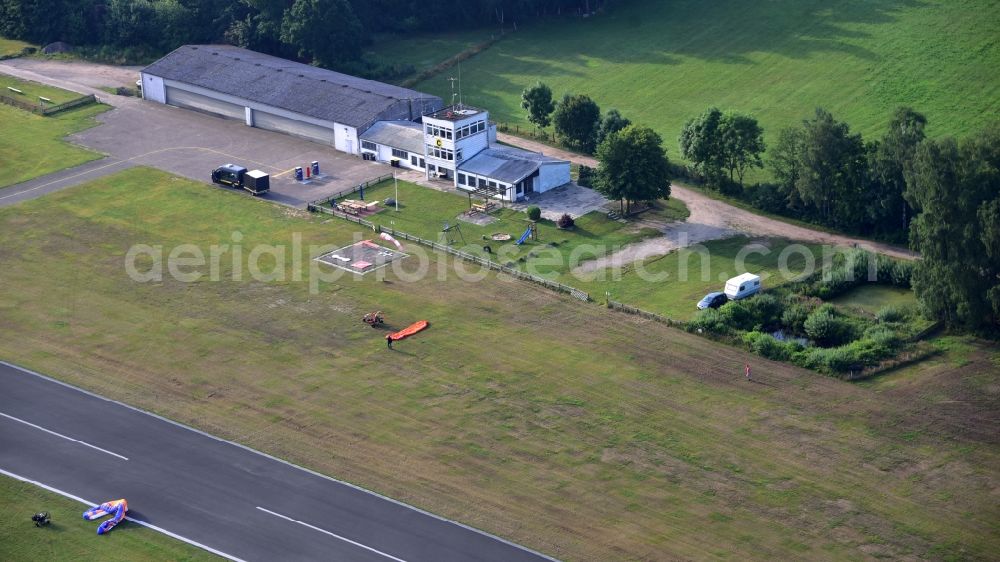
(633, 166)
(831, 167)
(785, 160)
(701, 144)
(612, 123)
(957, 188)
(325, 31)
(890, 161)
(537, 99)
(742, 144)
(577, 118)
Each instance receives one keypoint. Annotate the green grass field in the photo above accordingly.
(422, 52)
(31, 91)
(661, 63)
(12, 46)
(32, 145)
(423, 212)
(672, 284)
(679, 280)
(673, 210)
(70, 538)
(585, 433)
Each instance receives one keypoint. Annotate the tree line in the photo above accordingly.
(942, 196)
(633, 164)
(328, 33)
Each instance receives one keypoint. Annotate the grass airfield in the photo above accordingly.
(572, 429)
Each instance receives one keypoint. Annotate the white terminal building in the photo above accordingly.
(376, 121)
(460, 145)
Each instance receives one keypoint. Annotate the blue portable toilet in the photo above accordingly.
(298, 173)
(315, 168)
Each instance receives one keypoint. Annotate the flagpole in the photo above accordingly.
(396, 183)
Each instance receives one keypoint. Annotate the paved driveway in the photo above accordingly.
(192, 144)
(570, 199)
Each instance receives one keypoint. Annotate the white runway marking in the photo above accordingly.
(136, 521)
(84, 443)
(334, 535)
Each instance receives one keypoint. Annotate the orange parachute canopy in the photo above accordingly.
(409, 330)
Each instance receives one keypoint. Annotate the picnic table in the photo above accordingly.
(355, 207)
(484, 207)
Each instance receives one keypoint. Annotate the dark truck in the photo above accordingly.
(254, 181)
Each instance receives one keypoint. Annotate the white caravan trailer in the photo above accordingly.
(742, 286)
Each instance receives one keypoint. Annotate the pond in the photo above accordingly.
(781, 336)
(870, 298)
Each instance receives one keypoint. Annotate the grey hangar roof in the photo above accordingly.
(404, 135)
(315, 92)
(509, 165)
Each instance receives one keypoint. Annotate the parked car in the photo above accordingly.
(712, 300)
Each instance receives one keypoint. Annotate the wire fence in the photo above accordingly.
(85, 100)
(46, 110)
(629, 309)
(534, 133)
(318, 204)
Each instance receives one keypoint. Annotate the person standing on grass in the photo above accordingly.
(388, 341)
(748, 373)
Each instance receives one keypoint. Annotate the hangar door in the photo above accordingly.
(309, 131)
(191, 100)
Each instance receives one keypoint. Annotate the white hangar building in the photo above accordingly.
(280, 95)
(376, 121)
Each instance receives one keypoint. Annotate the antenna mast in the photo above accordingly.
(453, 94)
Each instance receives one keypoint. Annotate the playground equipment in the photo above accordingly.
(448, 228)
(116, 508)
(409, 330)
(374, 319)
(532, 231)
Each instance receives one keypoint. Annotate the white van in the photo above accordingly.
(742, 286)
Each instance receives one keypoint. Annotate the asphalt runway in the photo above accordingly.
(228, 498)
